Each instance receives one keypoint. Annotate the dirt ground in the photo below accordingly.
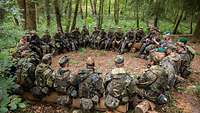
(183, 101)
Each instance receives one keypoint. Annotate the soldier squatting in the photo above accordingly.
(168, 62)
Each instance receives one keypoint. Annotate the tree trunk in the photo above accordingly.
(109, 7)
(81, 9)
(22, 6)
(95, 7)
(156, 21)
(69, 14)
(30, 15)
(92, 7)
(178, 22)
(100, 18)
(137, 11)
(58, 15)
(86, 11)
(16, 20)
(191, 29)
(116, 12)
(37, 13)
(75, 15)
(48, 17)
(196, 33)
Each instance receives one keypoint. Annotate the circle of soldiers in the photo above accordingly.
(168, 63)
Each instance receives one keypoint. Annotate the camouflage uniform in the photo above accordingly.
(76, 36)
(43, 77)
(155, 83)
(139, 35)
(90, 87)
(47, 47)
(85, 35)
(102, 36)
(93, 38)
(109, 39)
(187, 55)
(118, 36)
(63, 83)
(119, 85)
(128, 41)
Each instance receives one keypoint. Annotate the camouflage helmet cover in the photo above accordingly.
(46, 57)
(119, 59)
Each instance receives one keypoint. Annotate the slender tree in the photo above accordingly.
(30, 15)
(22, 6)
(69, 14)
(196, 33)
(81, 9)
(47, 10)
(100, 17)
(75, 15)
(58, 15)
(116, 11)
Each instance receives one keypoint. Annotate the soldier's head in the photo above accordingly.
(119, 61)
(111, 29)
(64, 61)
(84, 27)
(170, 49)
(90, 64)
(102, 29)
(32, 33)
(119, 29)
(47, 59)
(183, 40)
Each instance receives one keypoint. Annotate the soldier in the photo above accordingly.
(109, 39)
(128, 41)
(102, 36)
(76, 35)
(63, 83)
(47, 47)
(187, 54)
(120, 86)
(149, 42)
(94, 36)
(58, 42)
(25, 71)
(35, 43)
(118, 36)
(85, 35)
(154, 81)
(43, 77)
(139, 35)
(90, 87)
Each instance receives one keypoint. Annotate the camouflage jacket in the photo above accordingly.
(61, 80)
(90, 84)
(43, 75)
(119, 84)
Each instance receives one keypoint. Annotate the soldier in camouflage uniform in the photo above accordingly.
(43, 77)
(47, 46)
(58, 42)
(120, 86)
(90, 87)
(25, 71)
(94, 36)
(85, 35)
(139, 35)
(187, 54)
(76, 36)
(155, 83)
(63, 83)
(118, 36)
(109, 39)
(128, 41)
(102, 36)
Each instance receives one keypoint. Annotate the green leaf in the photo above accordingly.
(22, 105)
(13, 107)
(3, 109)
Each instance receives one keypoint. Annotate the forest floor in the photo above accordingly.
(184, 100)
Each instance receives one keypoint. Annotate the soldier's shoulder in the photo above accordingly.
(118, 71)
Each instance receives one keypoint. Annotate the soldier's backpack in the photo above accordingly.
(25, 73)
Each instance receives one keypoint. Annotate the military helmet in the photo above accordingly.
(63, 60)
(119, 59)
(46, 58)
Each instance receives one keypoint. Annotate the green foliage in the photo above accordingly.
(198, 90)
